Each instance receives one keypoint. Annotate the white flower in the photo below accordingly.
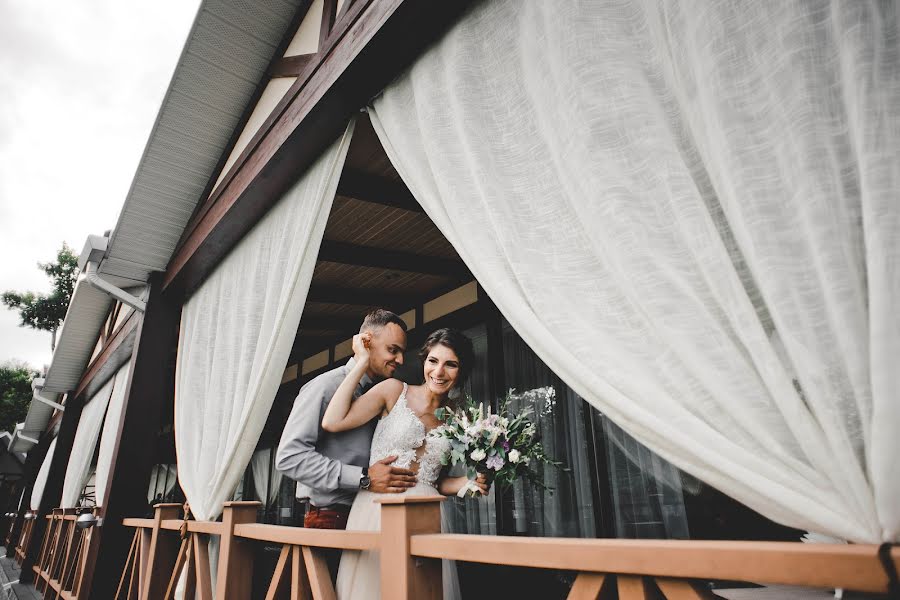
(477, 454)
(514, 456)
(525, 460)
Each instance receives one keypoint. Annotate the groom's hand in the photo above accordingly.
(386, 479)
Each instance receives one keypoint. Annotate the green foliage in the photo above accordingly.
(15, 393)
(47, 311)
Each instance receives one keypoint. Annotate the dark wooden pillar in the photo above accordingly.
(53, 490)
(33, 461)
(151, 385)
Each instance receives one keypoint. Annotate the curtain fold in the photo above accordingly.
(652, 192)
(162, 481)
(266, 479)
(110, 434)
(236, 334)
(85, 443)
(40, 480)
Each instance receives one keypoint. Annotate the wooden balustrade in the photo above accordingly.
(24, 539)
(62, 557)
(411, 548)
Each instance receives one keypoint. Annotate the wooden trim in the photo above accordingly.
(853, 567)
(298, 536)
(394, 260)
(118, 338)
(329, 15)
(205, 527)
(372, 44)
(291, 66)
(141, 523)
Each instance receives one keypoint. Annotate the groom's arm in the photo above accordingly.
(297, 457)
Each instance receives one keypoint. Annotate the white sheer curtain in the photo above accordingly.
(84, 445)
(40, 480)
(648, 190)
(162, 481)
(236, 334)
(110, 433)
(266, 479)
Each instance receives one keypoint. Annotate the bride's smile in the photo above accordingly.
(441, 369)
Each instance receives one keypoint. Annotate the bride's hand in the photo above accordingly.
(482, 483)
(361, 343)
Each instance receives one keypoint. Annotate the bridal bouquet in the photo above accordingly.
(502, 447)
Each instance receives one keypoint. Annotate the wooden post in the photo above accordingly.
(29, 473)
(55, 477)
(161, 554)
(404, 577)
(235, 574)
(150, 388)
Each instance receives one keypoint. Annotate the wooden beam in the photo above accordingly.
(207, 197)
(150, 389)
(331, 322)
(329, 15)
(117, 350)
(376, 190)
(394, 260)
(360, 297)
(373, 43)
(291, 66)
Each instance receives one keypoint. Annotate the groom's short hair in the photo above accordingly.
(378, 318)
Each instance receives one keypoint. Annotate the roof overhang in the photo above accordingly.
(225, 58)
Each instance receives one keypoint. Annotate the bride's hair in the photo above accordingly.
(457, 341)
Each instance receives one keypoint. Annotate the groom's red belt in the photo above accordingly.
(334, 507)
(333, 516)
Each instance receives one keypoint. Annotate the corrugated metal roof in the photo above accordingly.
(225, 58)
(77, 337)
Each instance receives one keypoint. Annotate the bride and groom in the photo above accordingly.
(355, 434)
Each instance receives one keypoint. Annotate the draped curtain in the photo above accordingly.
(162, 481)
(84, 445)
(110, 433)
(40, 480)
(653, 193)
(266, 479)
(236, 334)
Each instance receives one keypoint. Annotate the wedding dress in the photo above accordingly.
(399, 433)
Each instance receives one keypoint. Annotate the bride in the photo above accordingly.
(407, 415)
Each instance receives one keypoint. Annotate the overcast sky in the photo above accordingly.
(80, 86)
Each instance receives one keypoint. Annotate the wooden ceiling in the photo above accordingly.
(380, 250)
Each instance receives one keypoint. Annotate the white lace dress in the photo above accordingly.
(399, 433)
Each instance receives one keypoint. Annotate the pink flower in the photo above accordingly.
(495, 462)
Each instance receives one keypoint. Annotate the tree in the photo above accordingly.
(15, 393)
(47, 311)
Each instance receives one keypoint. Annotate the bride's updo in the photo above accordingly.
(461, 345)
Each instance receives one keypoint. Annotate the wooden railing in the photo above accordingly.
(24, 539)
(63, 554)
(411, 547)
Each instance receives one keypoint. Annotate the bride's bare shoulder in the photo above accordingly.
(390, 390)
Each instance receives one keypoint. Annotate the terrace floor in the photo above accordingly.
(10, 588)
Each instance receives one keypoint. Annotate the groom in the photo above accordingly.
(334, 466)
